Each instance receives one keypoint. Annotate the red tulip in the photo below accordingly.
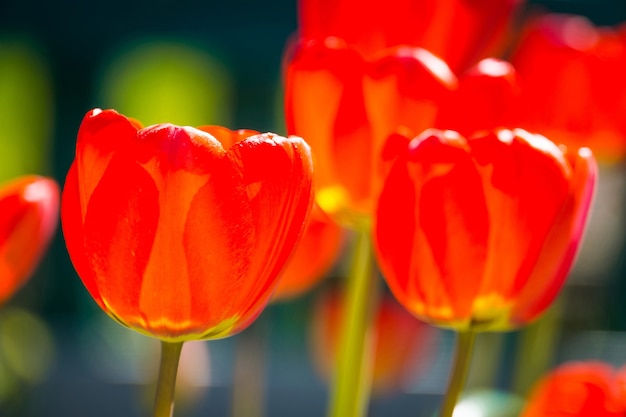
(459, 31)
(485, 100)
(180, 233)
(316, 253)
(402, 344)
(29, 207)
(480, 233)
(346, 106)
(561, 51)
(579, 389)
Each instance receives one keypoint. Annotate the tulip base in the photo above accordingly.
(166, 383)
(462, 358)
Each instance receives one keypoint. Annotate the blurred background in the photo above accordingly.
(219, 62)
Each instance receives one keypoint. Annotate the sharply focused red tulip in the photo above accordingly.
(460, 32)
(402, 344)
(480, 233)
(579, 389)
(29, 208)
(314, 256)
(346, 105)
(179, 232)
(573, 88)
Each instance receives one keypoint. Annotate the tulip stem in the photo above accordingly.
(164, 400)
(248, 394)
(462, 358)
(352, 383)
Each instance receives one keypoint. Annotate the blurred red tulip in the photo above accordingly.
(573, 88)
(316, 253)
(346, 106)
(402, 344)
(30, 208)
(461, 32)
(180, 233)
(485, 100)
(360, 71)
(481, 233)
(579, 389)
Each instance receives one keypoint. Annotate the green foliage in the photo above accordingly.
(157, 82)
(26, 110)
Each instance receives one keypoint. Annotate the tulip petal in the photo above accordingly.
(101, 135)
(485, 99)
(367, 25)
(404, 87)
(219, 243)
(29, 207)
(526, 186)
(462, 32)
(432, 228)
(118, 237)
(185, 164)
(226, 136)
(277, 174)
(578, 54)
(325, 78)
(73, 232)
(562, 244)
(577, 389)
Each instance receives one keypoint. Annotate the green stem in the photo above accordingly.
(352, 383)
(535, 349)
(248, 395)
(464, 346)
(164, 401)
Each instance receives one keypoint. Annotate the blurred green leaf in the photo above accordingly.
(26, 344)
(26, 110)
(157, 82)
